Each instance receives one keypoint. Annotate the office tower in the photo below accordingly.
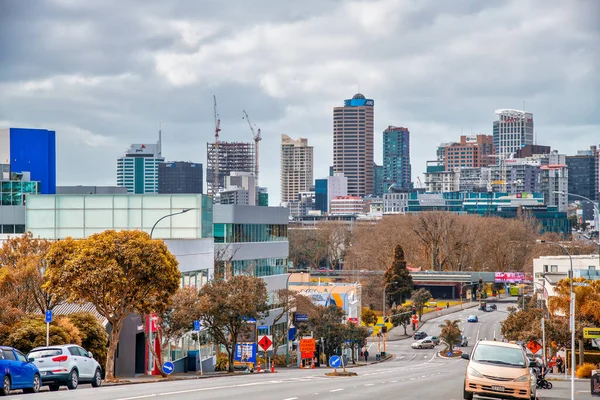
(554, 180)
(263, 196)
(296, 167)
(321, 195)
(179, 177)
(337, 186)
(582, 178)
(378, 186)
(233, 156)
(137, 170)
(32, 151)
(512, 131)
(396, 158)
(470, 152)
(353, 144)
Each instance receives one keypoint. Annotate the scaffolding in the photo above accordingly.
(231, 156)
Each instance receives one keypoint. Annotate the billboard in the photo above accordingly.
(509, 277)
(245, 352)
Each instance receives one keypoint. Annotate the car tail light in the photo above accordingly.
(60, 358)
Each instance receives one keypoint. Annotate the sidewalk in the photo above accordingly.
(562, 390)
(131, 380)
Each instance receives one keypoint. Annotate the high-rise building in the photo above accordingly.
(179, 177)
(353, 143)
(137, 170)
(582, 178)
(470, 152)
(396, 158)
(337, 186)
(554, 180)
(296, 167)
(29, 150)
(321, 195)
(232, 156)
(378, 185)
(512, 130)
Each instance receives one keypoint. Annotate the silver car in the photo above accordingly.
(423, 344)
(66, 365)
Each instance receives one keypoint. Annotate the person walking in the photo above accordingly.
(560, 364)
(366, 355)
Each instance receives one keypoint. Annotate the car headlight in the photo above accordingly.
(474, 372)
(524, 378)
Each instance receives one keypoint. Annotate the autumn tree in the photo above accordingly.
(326, 322)
(368, 316)
(419, 298)
(93, 334)
(286, 300)
(450, 333)
(355, 337)
(226, 305)
(401, 316)
(120, 273)
(30, 332)
(397, 279)
(336, 236)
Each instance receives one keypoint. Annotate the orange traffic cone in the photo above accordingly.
(272, 366)
(258, 370)
(312, 366)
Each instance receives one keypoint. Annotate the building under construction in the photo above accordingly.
(233, 156)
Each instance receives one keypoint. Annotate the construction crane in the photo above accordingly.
(257, 138)
(215, 186)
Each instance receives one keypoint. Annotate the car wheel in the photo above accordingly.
(467, 395)
(97, 381)
(5, 389)
(419, 347)
(37, 383)
(54, 388)
(73, 380)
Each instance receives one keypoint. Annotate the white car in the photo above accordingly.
(66, 365)
(423, 344)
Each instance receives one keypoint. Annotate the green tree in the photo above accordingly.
(120, 273)
(419, 298)
(225, 305)
(93, 335)
(450, 333)
(325, 322)
(401, 316)
(397, 279)
(368, 316)
(355, 337)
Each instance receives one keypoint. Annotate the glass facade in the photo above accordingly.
(246, 233)
(260, 267)
(13, 192)
(194, 279)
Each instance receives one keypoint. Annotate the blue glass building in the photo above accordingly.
(396, 158)
(321, 195)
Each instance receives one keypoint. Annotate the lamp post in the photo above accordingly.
(572, 314)
(383, 312)
(287, 336)
(149, 318)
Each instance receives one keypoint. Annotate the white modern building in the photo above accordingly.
(346, 205)
(395, 203)
(512, 131)
(337, 185)
(137, 170)
(548, 270)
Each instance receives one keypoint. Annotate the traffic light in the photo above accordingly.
(480, 281)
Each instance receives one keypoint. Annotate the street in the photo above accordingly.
(418, 374)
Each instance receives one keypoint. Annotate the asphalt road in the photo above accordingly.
(415, 374)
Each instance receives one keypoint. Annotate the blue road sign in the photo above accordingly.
(292, 333)
(168, 367)
(449, 354)
(48, 316)
(196, 325)
(335, 361)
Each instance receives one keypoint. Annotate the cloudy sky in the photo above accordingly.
(104, 73)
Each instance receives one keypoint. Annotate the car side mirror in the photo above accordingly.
(465, 356)
(532, 364)
(90, 355)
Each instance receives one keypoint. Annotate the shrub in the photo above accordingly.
(30, 332)
(585, 370)
(279, 360)
(222, 362)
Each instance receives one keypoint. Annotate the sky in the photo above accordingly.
(105, 74)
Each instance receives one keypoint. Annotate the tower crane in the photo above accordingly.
(215, 186)
(257, 138)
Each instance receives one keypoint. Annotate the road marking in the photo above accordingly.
(413, 357)
(336, 390)
(291, 398)
(369, 384)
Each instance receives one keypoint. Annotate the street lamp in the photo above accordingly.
(150, 338)
(287, 338)
(572, 314)
(383, 312)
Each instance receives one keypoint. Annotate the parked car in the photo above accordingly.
(464, 342)
(419, 335)
(434, 339)
(472, 318)
(17, 373)
(66, 365)
(423, 344)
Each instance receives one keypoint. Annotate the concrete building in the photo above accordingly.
(582, 178)
(254, 240)
(179, 177)
(346, 205)
(232, 156)
(396, 158)
(296, 167)
(549, 270)
(554, 177)
(32, 151)
(529, 150)
(80, 189)
(188, 236)
(337, 186)
(470, 152)
(137, 170)
(512, 131)
(353, 143)
(395, 203)
(12, 202)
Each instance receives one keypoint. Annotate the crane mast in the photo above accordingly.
(215, 185)
(257, 138)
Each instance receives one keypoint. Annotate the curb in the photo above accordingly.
(182, 378)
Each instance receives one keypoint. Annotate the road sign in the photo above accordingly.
(168, 367)
(591, 333)
(415, 319)
(307, 348)
(196, 325)
(534, 346)
(335, 361)
(245, 352)
(266, 342)
(48, 316)
(449, 354)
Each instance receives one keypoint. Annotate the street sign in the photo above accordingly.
(301, 317)
(534, 346)
(266, 342)
(581, 284)
(335, 361)
(307, 348)
(196, 325)
(48, 316)
(168, 367)
(591, 333)
(449, 354)
(415, 319)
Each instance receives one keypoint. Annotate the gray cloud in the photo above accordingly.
(104, 74)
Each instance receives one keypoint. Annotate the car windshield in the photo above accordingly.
(499, 355)
(43, 353)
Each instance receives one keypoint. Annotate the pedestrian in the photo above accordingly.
(366, 355)
(559, 364)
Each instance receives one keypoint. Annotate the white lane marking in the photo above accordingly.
(336, 390)
(369, 384)
(137, 397)
(291, 398)
(477, 339)
(393, 381)
(413, 357)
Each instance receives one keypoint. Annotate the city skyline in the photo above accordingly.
(100, 97)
